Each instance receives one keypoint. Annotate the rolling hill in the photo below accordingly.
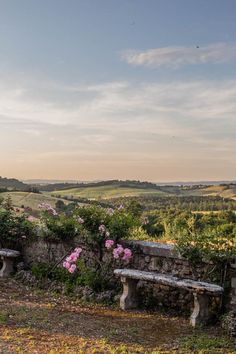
(28, 199)
(117, 190)
(13, 184)
(103, 190)
(107, 192)
(224, 191)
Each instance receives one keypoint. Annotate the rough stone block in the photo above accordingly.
(155, 248)
(128, 299)
(233, 264)
(233, 282)
(7, 257)
(200, 312)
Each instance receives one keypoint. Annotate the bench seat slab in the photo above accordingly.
(5, 252)
(165, 279)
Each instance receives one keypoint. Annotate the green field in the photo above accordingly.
(113, 191)
(205, 191)
(106, 192)
(28, 199)
(221, 191)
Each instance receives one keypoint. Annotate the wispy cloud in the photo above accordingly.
(160, 108)
(136, 125)
(175, 57)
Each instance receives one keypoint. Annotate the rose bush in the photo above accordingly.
(97, 231)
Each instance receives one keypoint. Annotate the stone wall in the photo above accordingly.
(150, 256)
(52, 253)
(44, 252)
(164, 258)
(233, 285)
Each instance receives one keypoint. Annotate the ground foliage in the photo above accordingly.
(180, 202)
(209, 235)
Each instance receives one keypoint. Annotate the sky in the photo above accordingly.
(128, 89)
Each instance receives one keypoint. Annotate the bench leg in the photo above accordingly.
(7, 267)
(128, 299)
(200, 312)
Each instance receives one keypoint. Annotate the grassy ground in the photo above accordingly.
(32, 321)
(28, 199)
(105, 192)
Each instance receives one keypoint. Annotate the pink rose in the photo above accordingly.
(115, 254)
(31, 218)
(48, 207)
(127, 254)
(118, 251)
(110, 211)
(73, 257)
(109, 244)
(66, 265)
(77, 251)
(72, 268)
(102, 229)
(80, 220)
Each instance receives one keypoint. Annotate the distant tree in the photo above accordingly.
(60, 205)
(135, 208)
(32, 189)
(8, 203)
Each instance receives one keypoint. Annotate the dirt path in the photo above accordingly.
(32, 321)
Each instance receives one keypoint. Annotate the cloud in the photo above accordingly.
(205, 108)
(175, 57)
(144, 124)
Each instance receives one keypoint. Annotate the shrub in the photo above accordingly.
(59, 228)
(43, 271)
(14, 227)
(214, 243)
(100, 224)
(138, 233)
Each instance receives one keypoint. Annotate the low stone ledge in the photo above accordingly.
(5, 252)
(155, 248)
(233, 263)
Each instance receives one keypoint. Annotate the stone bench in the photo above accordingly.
(201, 291)
(7, 258)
